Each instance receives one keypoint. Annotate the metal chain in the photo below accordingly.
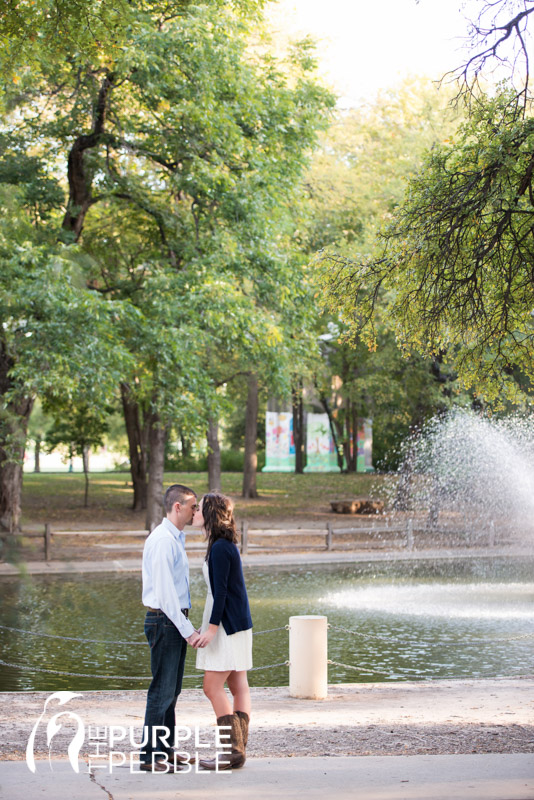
(269, 666)
(117, 677)
(434, 644)
(433, 677)
(362, 635)
(271, 630)
(254, 669)
(259, 633)
(78, 674)
(348, 666)
(102, 641)
(70, 638)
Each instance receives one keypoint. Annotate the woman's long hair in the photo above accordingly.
(219, 522)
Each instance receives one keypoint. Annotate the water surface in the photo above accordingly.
(410, 620)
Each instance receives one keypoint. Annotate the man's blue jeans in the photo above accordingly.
(167, 659)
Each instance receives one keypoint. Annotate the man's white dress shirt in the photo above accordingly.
(166, 574)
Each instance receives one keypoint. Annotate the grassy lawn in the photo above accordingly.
(58, 497)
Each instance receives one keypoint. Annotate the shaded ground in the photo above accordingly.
(58, 498)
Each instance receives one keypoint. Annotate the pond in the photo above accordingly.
(390, 621)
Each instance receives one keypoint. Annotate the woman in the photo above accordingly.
(225, 645)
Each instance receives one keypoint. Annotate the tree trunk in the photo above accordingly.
(298, 426)
(85, 462)
(186, 445)
(214, 456)
(15, 425)
(37, 456)
(350, 445)
(251, 434)
(15, 416)
(346, 434)
(80, 178)
(137, 443)
(332, 423)
(354, 457)
(157, 436)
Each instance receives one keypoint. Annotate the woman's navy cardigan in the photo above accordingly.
(230, 601)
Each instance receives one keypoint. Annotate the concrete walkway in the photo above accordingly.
(466, 777)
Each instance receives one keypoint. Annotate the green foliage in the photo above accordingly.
(456, 264)
(40, 422)
(356, 183)
(231, 461)
(63, 340)
(35, 31)
(188, 183)
(79, 428)
(358, 177)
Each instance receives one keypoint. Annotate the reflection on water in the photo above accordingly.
(411, 620)
(506, 601)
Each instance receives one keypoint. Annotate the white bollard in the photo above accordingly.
(308, 657)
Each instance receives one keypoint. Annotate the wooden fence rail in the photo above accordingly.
(379, 535)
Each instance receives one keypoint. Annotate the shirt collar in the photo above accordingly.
(178, 534)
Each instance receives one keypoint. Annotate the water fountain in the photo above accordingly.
(468, 474)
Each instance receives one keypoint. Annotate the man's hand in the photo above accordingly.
(193, 640)
(206, 637)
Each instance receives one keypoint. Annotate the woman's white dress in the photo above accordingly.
(224, 652)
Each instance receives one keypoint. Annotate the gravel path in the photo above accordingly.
(435, 718)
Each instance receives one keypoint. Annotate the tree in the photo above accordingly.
(355, 184)
(38, 427)
(80, 428)
(456, 261)
(251, 435)
(459, 253)
(498, 41)
(357, 177)
(204, 158)
(55, 30)
(56, 340)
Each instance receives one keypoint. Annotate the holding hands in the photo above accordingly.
(194, 639)
(198, 639)
(206, 637)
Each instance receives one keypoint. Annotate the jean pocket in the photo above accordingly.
(151, 629)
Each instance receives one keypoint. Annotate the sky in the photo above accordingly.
(365, 46)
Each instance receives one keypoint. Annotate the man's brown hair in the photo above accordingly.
(177, 493)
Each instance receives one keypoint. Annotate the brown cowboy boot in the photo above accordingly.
(236, 757)
(244, 720)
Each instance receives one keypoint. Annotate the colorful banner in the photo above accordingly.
(280, 445)
(320, 448)
(364, 461)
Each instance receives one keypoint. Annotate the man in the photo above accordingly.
(167, 627)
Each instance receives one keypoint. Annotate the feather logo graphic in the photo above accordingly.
(53, 727)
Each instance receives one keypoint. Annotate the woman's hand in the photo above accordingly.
(207, 636)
